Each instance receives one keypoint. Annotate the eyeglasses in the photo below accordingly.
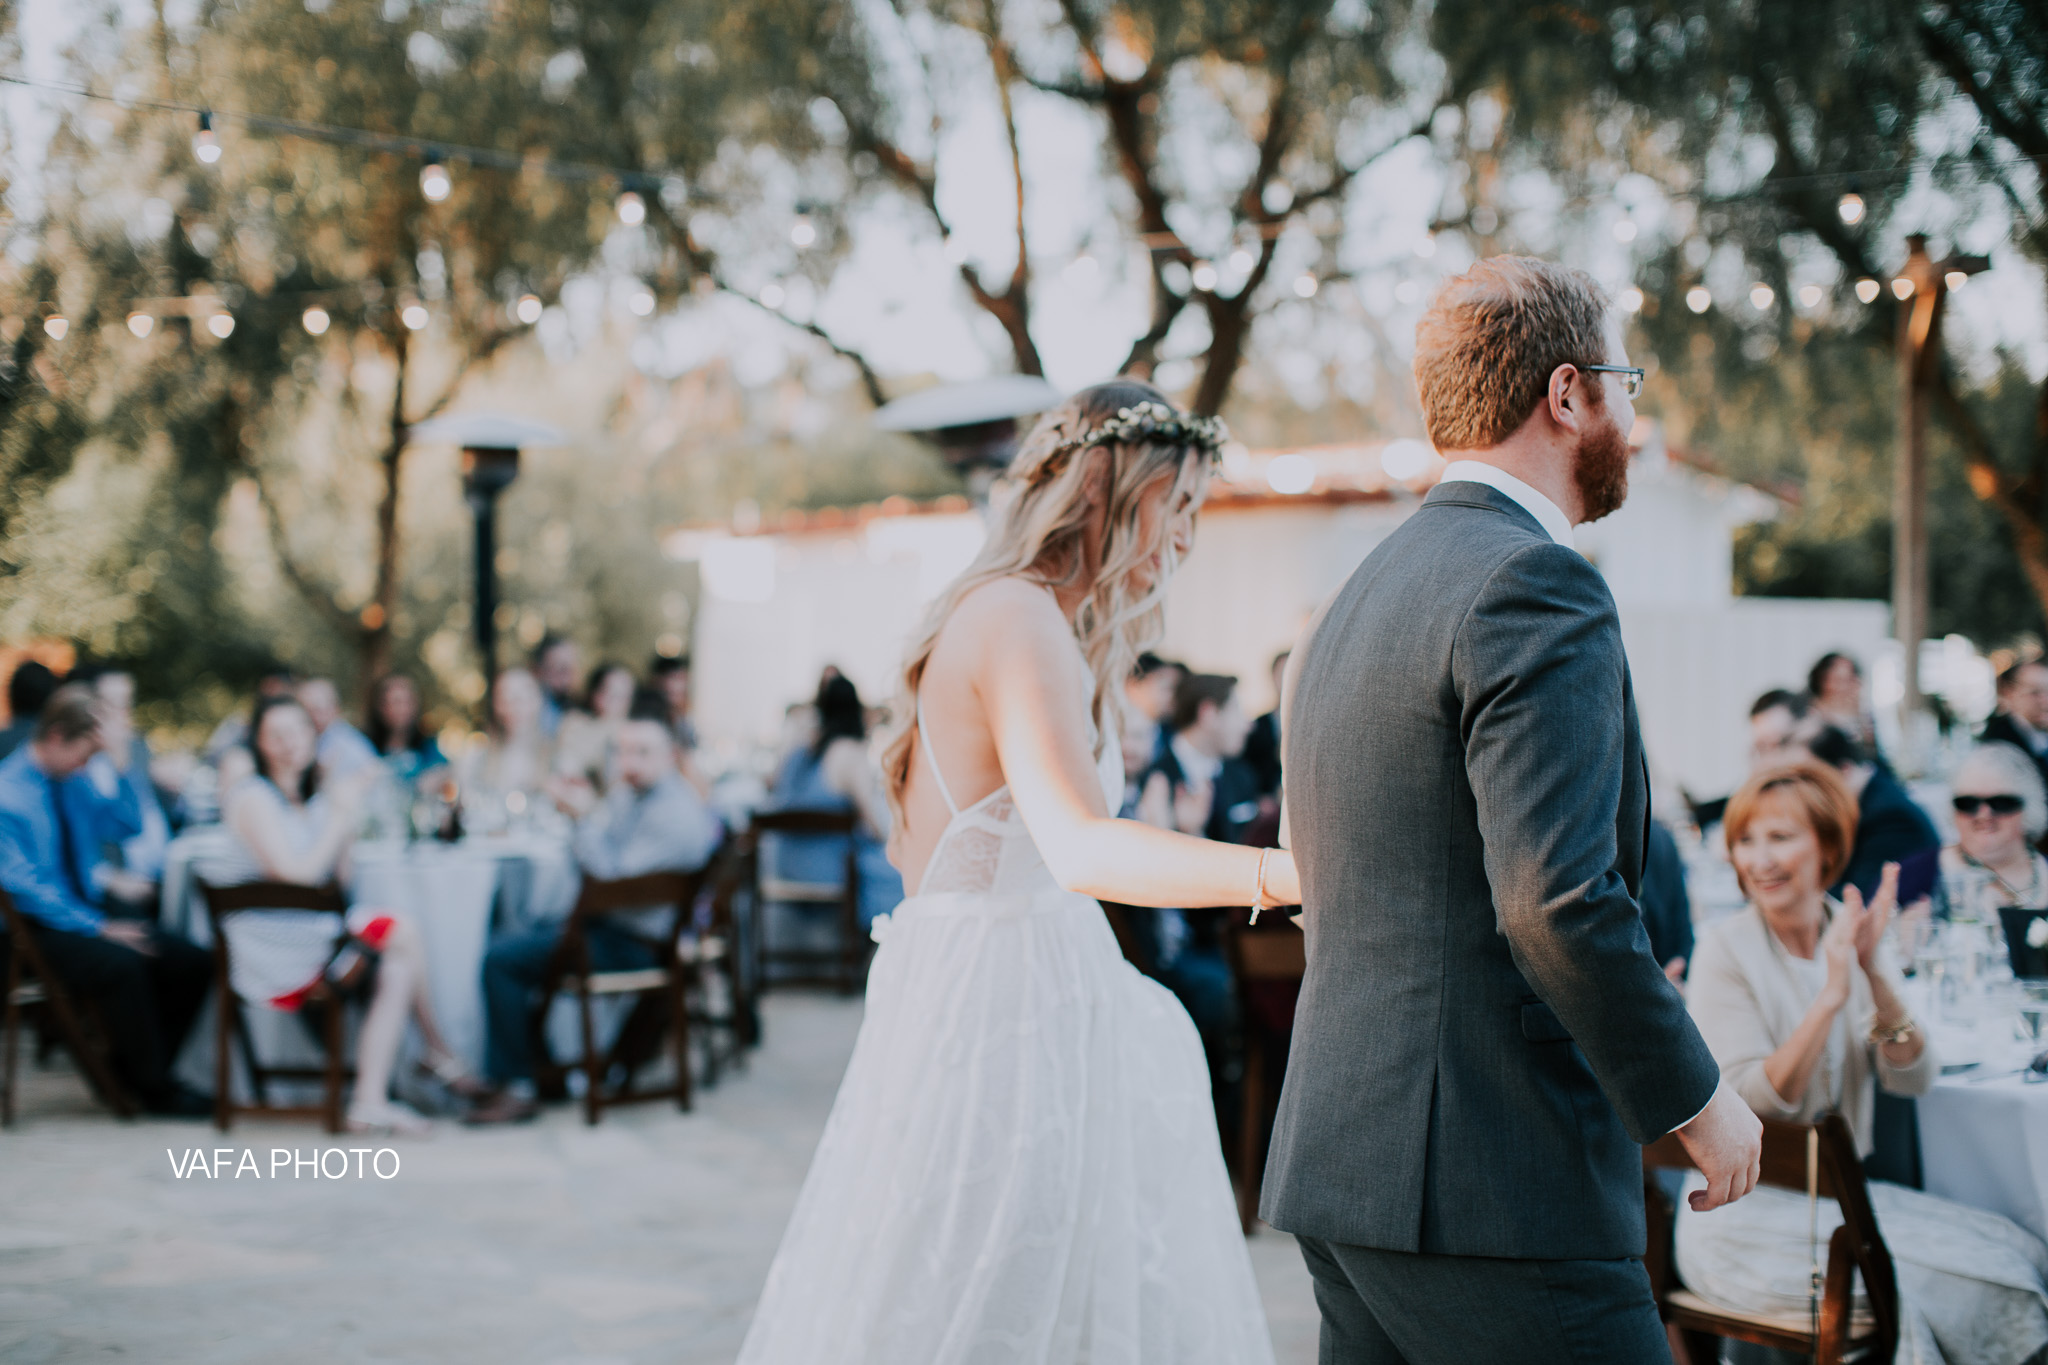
(1997, 805)
(1631, 376)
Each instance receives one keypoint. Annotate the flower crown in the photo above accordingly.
(1148, 422)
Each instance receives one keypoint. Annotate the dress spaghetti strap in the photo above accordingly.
(924, 742)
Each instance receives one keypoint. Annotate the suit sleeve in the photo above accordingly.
(1538, 667)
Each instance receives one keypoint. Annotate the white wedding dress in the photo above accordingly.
(1022, 1163)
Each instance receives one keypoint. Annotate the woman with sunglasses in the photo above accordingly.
(2001, 812)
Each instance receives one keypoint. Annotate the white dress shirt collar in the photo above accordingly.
(1195, 765)
(1548, 514)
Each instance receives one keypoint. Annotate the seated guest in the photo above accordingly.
(28, 688)
(231, 736)
(294, 823)
(1667, 908)
(1890, 826)
(126, 865)
(1779, 724)
(1991, 868)
(148, 984)
(671, 677)
(836, 773)
(1798, 997)
(407, 747)
(2021, 719)
(1834, 688)
(558, 668)
(1199, 779)
(1149, 691)
(341, 749)
(515, 759)
(585, 745)
(1262, 745)
(651, 821)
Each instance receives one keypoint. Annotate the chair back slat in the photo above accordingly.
(597, 896)
(804, 821)
(245, 897)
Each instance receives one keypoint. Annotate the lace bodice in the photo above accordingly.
(985, 849)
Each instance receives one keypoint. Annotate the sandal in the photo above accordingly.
(390, 1120)
(449, 1070)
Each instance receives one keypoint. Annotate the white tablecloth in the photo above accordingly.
(448, 890)
(1984, 1142)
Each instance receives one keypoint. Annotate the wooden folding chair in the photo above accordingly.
(1268, 959)
(32, 985)
(843, 966)
(716, 956)
(660, 993)
(1820, 1159)
(256, 898)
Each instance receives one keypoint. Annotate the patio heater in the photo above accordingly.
(972, 424)
(490, 444)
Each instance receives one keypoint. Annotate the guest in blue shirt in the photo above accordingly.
(148, 984)
(342, 750)
(834, 772)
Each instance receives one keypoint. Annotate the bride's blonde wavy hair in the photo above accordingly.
(1037, 535)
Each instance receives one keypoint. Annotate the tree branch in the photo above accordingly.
(2031, 141)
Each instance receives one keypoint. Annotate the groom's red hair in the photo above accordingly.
(1485, 350)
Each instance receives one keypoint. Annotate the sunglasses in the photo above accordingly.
(1997, 805)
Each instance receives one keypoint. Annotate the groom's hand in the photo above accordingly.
(1726, 1141)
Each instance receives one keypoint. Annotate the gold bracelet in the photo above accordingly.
(1893, 1036)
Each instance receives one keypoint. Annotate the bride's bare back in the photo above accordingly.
(1007, 700)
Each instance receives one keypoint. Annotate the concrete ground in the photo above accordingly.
(643, 1240)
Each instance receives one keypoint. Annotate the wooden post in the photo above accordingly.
(1919, 352)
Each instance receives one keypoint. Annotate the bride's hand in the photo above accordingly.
(1283, 879)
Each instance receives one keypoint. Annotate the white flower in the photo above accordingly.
(2037, 934)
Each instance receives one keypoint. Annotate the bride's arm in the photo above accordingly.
(1037, 707)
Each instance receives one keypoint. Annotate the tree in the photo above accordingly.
(1763, 117)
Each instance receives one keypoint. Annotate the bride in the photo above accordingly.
(1022, 1163)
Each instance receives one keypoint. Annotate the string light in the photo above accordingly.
(1305, 285)
(1902, 288)
(205, 145)
(142, 324)
(55, 327)
(1241, 261)
(1955, 279)
(772, 295)
(1624, 230)
(1868, 289)
(641, 302)
(803, 232)
(1851, 209)
(1810, 295)
(414, 316)
(1426, 248)
(1631, 300)
(221, 325)
(315, 320)
(434, 181)
(1698, 298)
(1760, 296)
(1205, 276)
(632, 209)
(527, 310)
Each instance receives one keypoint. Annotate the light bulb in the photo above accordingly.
(527, 310)
(1305, 285)
(1851, 209)
(1624, 230)
(221, 325)
(1241, 261)
(1631, 300)
(205, 145)
(414, 316)
(772, 295)
(632, 209)
(1955, 279)
(55, 327)
(1205, 276)
(1426, 248)
(1902, 288)
(1760, 296)
(434, 181)
(1867, 290)
(315, 320)
(142, 324)
(641, 302)
(803, 232)
(1698, 298)
(1810, 295)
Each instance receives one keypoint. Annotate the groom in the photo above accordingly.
(1484, 1036)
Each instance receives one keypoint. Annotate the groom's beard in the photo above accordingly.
(1602, 471)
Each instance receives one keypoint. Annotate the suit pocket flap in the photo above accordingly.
(1540, 1024)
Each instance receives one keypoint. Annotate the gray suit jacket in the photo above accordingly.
(1483, 1035)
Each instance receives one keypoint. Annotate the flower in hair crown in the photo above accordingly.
(1156, 422)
